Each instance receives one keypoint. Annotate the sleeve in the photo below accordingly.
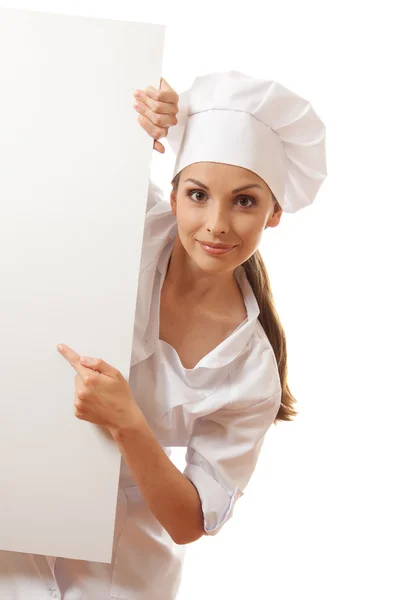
(154, 196)
(222, 455)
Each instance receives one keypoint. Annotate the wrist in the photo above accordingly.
(133, 422)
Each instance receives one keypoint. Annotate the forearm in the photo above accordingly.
(171, 497)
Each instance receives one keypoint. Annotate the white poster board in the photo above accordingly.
(74, 172)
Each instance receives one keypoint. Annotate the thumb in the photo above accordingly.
(164, 85)
(169, 94)
(159, 147)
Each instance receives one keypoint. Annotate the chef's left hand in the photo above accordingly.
(158, 111)
(102, 394)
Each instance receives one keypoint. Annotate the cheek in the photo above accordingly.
(251, 235)
(187, 222)
(187, 231)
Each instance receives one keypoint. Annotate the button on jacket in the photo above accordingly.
(220, 410)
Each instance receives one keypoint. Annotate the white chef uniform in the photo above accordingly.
(237, 385)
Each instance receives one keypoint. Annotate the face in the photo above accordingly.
(223, 205)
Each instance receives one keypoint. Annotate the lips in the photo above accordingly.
(211, 245)
(215, 249)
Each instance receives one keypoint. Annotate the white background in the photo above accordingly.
(319, 518)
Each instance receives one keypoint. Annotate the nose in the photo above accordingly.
(217, 220)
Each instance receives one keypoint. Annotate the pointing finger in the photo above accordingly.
(73, 358)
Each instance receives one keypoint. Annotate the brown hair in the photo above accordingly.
(259, 280)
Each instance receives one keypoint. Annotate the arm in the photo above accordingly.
(221, 458)
(171, 497)
(222, 455)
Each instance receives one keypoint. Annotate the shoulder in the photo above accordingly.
(160, 227)
(154, 195)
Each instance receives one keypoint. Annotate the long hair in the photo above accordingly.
(258, 278)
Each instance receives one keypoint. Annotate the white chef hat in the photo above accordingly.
(256, 124)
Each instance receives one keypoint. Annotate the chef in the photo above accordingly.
(209, 361)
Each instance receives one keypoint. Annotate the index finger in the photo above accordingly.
(73, 358)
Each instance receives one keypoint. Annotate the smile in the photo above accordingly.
(215, 251)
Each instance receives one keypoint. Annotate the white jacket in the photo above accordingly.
(236, 385)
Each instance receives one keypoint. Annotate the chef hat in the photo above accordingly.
(256, 124)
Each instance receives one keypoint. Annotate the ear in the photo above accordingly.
(275, 218)
(173, 202)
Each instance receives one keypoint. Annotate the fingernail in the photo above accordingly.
(136, 104)
(138, 94)
(60, 347)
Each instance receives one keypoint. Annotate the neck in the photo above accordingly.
(187, 281)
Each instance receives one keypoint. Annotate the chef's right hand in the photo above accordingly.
(157, 111)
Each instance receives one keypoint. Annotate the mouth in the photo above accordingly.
(215, 249)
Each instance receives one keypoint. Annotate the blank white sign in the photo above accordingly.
(74, 172)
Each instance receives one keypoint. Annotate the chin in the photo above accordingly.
(213, 266)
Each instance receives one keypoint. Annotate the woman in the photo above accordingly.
(209, 354)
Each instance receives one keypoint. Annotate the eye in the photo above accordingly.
(198, 193)
(253, 202)
(198, 196)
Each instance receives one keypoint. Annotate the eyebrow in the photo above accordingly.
(235, 191)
